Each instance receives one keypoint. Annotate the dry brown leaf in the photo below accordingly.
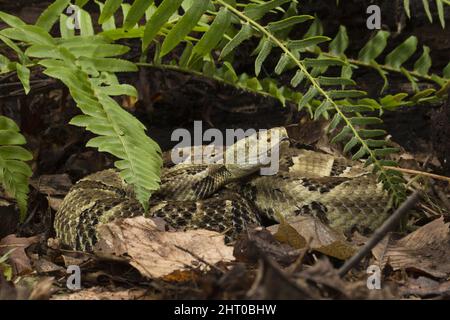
(52, 185)
(153, 251)
(426, 287)
(42, 290)
(100, 293)
(426, 249)
(18, 259)
(288, 234)
(324, 239)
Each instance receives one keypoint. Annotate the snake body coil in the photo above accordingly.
(228, 198)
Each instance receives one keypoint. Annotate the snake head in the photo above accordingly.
(258, 151)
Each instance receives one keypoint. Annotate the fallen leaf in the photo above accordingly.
(288, 234)
(42, 290)
(100, 293)
(259, 242)
(324, 279)
(273, 283)
(17, 256)
(427, 250)
(153, 251)
(323, 238)
(52, 185)
(425, 287)
(7, 289)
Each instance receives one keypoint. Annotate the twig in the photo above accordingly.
(422, 173)
(380, 233)
(199, 258)
(442, 196)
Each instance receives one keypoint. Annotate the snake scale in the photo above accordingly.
(230, 197)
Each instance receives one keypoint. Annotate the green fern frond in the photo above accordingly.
(394, 62)
(86, 65)
(440, 8)
(14, 171)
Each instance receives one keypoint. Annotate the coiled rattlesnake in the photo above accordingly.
(228, 197)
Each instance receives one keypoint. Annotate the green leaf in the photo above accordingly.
(309, 95)
(111, 6)
(136, 12)
(306, 43)
(24, 76)
(342, 135)
(245, 33)
(323, 62)
(108, 64)
(11, 20)
(15, 153)
(214, 35)
(8, 124)
(361, 153)
(351, 144)
(5, 64)
(8, 137)
(86, 27)
(298, 78)
(356, 108)
(288, 22)
(376, 143)
(364, 121)
(340, 42)
(257, 11)
(322, 110)
(441, 12)
(120, 89)
(96, 50)
(374, 47)
(333, 81)
(81, 3)
(341, 94)
(426, 6)
(262, 55)
(386, 151)
(30, 34)
(422, 94)
(108, 24)
(64, 29)
(423, 64)
(446, 71)
(282, 63)
(22, 57)
(316, 29)
(184, 26)
(334, 122)
(407, 7)
(158, 19)
(14, 173)
(51, 14)
(403, 52)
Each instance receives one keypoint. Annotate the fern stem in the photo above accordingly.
(382, 66)
(321, 91)
(202, 75)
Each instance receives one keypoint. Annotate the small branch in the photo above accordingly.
(420, 173)
(380, 233)
(199, 258)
